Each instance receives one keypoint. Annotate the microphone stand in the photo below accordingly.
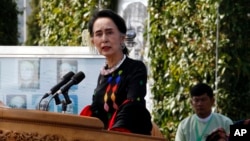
(39, 103)
(64, 106)
(66, 97)
(66, 101)
(47, 106)
(44, 105)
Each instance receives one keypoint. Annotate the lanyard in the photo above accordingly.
(199, 137)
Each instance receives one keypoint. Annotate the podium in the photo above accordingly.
(34, 125)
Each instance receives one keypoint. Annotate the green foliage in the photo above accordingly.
(62, 22)
(33, 32)
(8, 22)
(234, 59)
(183, 51)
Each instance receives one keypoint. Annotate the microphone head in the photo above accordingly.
(77, 78)
(68, 75)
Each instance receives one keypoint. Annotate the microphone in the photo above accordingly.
(77, 78)
(66, 78)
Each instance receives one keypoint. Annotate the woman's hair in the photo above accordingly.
(117, 19)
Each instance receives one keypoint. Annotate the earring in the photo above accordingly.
(123, 46)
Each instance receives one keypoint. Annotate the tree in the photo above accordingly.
(183, 50)
(62, 22)
(8, 22)
(33, 32)
(234, 59)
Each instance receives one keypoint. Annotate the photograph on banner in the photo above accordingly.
(135, 15)
(64, 66)
(28, 74)
(16, 101)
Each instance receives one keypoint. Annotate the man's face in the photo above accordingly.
(202, 105)
(27, 71)
(65, 68)
(138, 27)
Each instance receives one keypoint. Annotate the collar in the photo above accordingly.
(105, 71)
(204, 119)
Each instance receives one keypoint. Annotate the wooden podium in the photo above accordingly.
(33, 125)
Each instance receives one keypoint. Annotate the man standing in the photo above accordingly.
(204, 121)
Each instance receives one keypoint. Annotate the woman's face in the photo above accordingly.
(106, 37)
